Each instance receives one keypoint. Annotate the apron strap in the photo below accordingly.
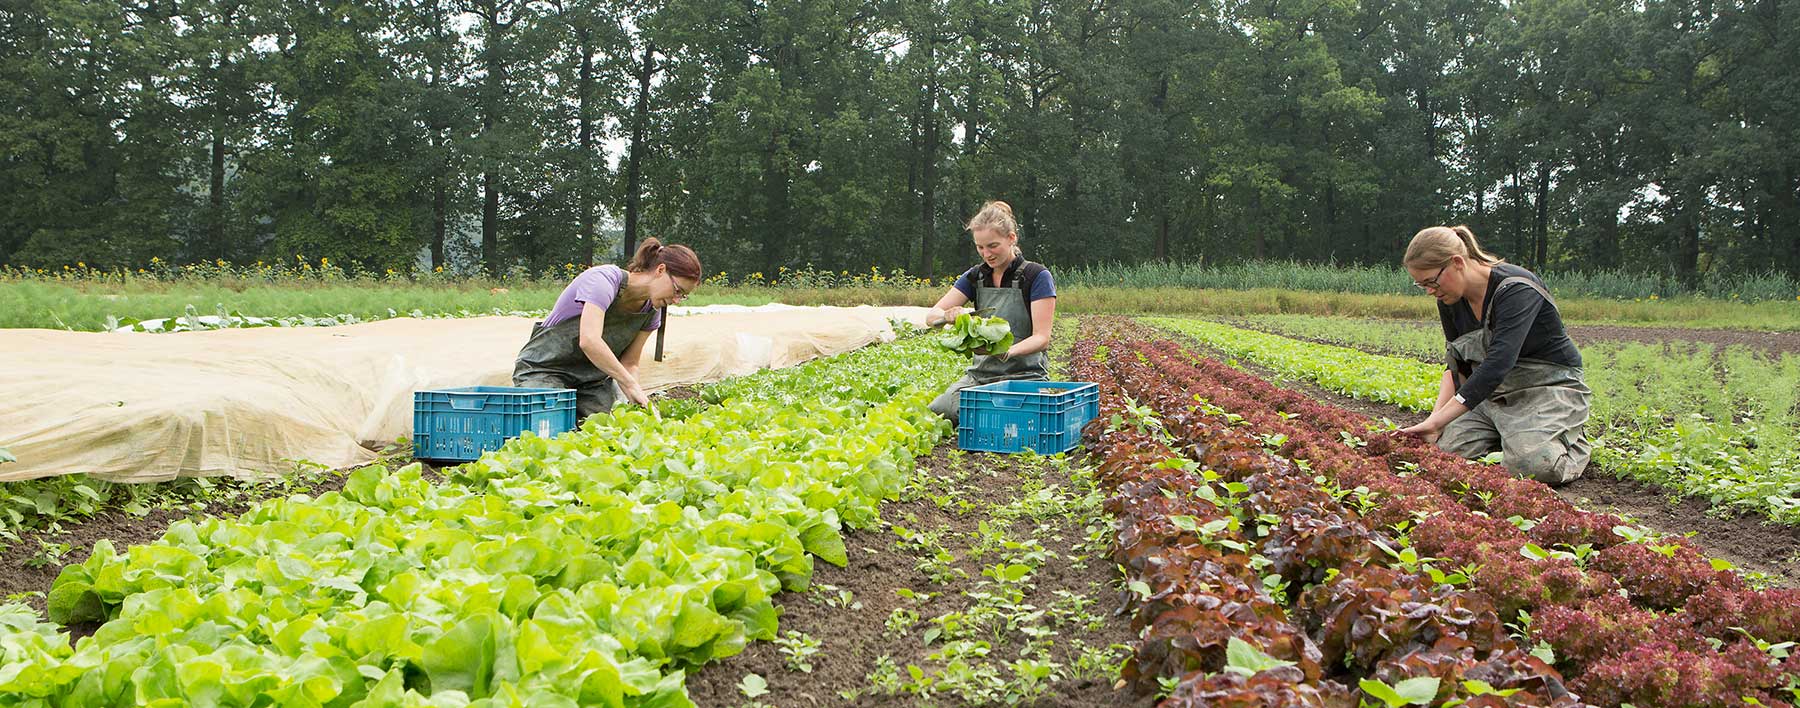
(661, 328)
(1487, 318)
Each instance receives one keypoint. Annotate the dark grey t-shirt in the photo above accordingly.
(1523, 327)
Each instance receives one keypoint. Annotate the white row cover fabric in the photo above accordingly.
(250, 402)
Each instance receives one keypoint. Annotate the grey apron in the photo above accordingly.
(1535, 417)
(1009, 304)
(553, 358)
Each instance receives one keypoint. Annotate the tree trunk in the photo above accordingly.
(490, 223)
(1518, 219)
(1542, 236)
(634, 165)
(440, 221)
(215, 227)
(1787, 199)
(971, 143)
(775, 197)
(584, 193)
(1162, 231)
(1260, 237)
(1687, 247)
(928, 159)
(493, 91)
(1331, 217)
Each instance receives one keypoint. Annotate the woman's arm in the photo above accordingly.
(1043, 320)
(635, 351)
(1446, 390)
(946, 309)
(593, 344)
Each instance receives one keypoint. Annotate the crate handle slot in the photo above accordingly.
(467, 404)
(1006, 402)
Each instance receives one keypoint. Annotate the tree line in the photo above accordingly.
(1650, 135)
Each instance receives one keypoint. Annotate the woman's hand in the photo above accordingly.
(634, 393)
(1424, 430)
(945, 316)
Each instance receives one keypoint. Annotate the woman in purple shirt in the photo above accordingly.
(594, 336)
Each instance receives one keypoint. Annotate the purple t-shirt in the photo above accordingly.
(598, 285)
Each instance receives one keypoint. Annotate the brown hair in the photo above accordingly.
(1433, 247)
(996, 215)
(681, 260)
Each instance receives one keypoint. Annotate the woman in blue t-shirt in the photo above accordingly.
(1017, 290)
(1512, 379)
(594, 336)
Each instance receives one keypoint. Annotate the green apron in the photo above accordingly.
(1009, 304)
(553, 358)
(1534, 417)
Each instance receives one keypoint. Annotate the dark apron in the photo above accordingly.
(553, 358)
(1538, 411)
(1009, 304)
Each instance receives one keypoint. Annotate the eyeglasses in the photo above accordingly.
(1431, 283)
(680, 294)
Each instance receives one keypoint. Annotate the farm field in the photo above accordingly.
(811, 536)
(1282, 533)
(1709, 415)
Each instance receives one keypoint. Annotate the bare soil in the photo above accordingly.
(1771, 342)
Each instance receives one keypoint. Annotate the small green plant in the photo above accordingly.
(1411, 692)
(900, 620)
(799, 649)
(1166, 685)
(753, 686)
(49, 554)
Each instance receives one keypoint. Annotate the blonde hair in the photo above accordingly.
(1433, 247)
(996, 215)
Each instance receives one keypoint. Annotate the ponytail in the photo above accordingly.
(679, 259)
(1471, 248)
(1434, 246)
(646, 256)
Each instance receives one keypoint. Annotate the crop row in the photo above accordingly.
(596, 568)
(1629, 618)
(1217, 552)
(1725, 431)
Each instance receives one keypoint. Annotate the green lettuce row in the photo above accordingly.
(1397, 381)
(1751, 464)
(592, 569)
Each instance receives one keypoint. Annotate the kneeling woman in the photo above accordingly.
(1513, 377)
(594, 336)
(1017, 290)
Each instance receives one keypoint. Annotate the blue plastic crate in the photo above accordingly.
(458, 424)
(1045, 417)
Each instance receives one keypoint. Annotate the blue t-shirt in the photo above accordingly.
(1044, 286)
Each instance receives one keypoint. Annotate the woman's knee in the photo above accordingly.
(1554, 465)
(946, 405)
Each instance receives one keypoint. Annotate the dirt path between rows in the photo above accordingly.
(1750, 543)
(853, 641)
